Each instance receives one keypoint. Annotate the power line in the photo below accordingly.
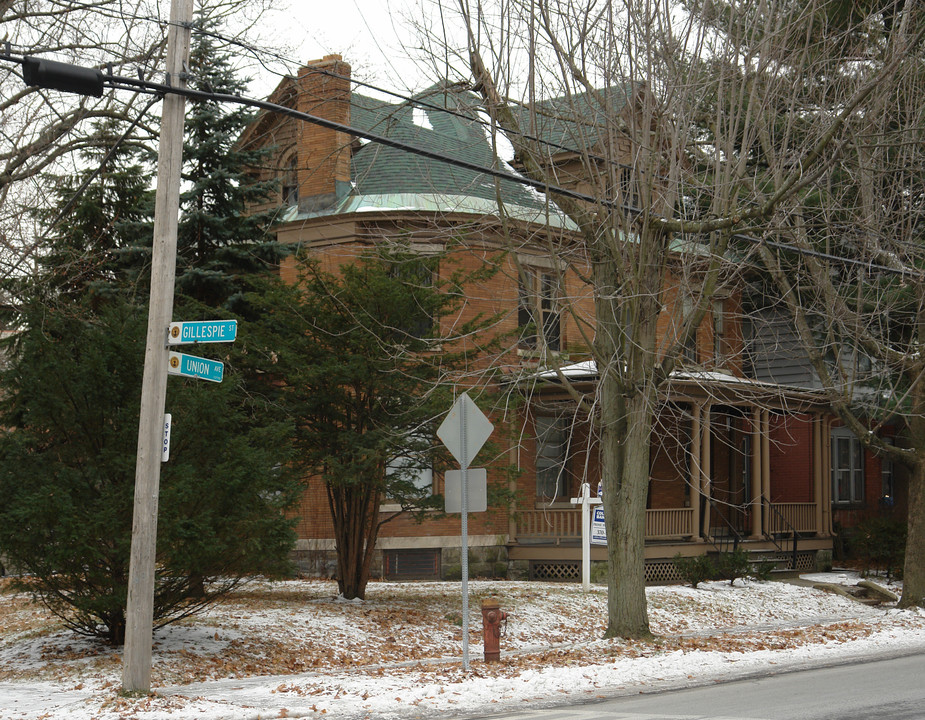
(140, 85)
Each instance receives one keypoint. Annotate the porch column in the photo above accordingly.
(705, 467)
(693, 479)
(755, 479)
(827, 477)
(766, 463)
(817, 471)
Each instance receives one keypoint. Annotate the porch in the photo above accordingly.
(559, 526)
(549, 541)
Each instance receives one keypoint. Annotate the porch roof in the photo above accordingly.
(697, 385)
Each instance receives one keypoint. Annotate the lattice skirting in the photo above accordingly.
(662, 572)
(658, 572)
(562, 571)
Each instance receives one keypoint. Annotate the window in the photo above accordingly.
(887, 480)
(552, 439)
(847, 468)
(412, 564)
(413, 467)
(290, 185)
(628, 195)
(689, 349)
(721, 348)
(538, 310)
(417, 275)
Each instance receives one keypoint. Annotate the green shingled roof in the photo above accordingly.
(576, 122)
(385, 178)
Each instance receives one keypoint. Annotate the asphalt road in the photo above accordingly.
(892, 689)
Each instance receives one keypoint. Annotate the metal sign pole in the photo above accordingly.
(464, 443)
(464, 532)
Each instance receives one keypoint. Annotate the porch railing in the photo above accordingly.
(665, 524)
(789, 517)
(669, 523)
(551, 524)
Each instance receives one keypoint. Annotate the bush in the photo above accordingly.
(733, 565)
(694, 570)
(879, 544)
(761, 570)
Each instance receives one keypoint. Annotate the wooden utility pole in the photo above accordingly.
(136, 665)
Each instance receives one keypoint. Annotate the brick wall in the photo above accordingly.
(791, 450)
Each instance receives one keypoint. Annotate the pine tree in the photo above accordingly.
(357, 358)
(218, 240)
(71, 404)
(97, 245)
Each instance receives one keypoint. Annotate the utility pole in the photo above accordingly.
(136, 665)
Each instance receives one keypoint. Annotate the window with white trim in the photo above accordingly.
(414, 467)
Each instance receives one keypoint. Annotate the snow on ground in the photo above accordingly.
(293, 649)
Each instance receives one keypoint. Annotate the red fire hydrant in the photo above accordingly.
(492, 617)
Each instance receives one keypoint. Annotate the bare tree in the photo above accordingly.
(855, 290)
(661, 118)
(45, 131)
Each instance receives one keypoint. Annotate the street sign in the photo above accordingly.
(207, 331)
(477, 429)
(476, 490)
(195, 367)
(165, 441)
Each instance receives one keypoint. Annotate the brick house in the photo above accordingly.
(737, 458)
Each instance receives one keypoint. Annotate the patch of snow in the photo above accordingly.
(277, 649)
(419, 118)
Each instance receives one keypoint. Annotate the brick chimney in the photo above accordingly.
(324, 155)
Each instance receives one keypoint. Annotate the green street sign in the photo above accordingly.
(195, 367)
(206, 331)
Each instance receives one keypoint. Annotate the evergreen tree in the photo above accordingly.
(218, 241)
(98, 243)
(358, 359)
(71, 402)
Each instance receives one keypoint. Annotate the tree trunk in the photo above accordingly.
(355, 513)
(625, 433)
(625, 351)
(914, 563)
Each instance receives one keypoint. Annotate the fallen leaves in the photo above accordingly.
(300, 629)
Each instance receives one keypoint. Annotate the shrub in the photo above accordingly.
(879, 544)
(694, 570)
(733, 565)
(761, 570)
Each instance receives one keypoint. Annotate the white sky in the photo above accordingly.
(374, 36)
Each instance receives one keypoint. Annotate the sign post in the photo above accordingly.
(464, 430)
(586, 501)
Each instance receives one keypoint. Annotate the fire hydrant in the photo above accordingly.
(492, 617)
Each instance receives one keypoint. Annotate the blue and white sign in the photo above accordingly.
(598, 531)
(195, 367)
(207, 331)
